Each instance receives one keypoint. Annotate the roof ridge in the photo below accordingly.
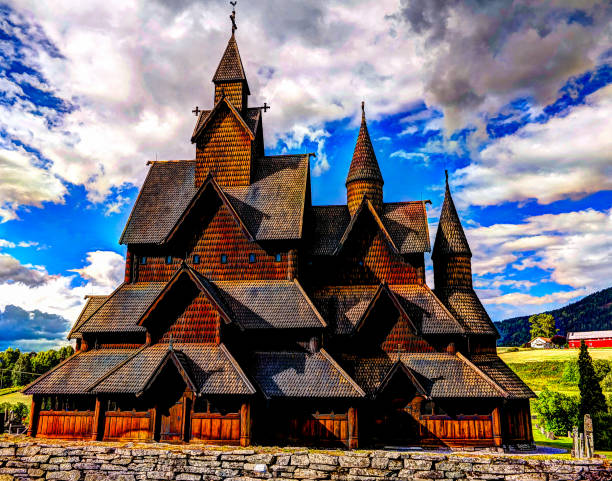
(482, 374)
(240, 371)
(46, 374)
(96, 311)
(351, 381)
(116, 368)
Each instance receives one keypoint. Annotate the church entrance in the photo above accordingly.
(172, 422)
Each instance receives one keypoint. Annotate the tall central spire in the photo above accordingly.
(364, 178)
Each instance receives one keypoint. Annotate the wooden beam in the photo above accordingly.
(34, 413)
(353, 428)
(496, 421)
(97, 419)
(245, 424)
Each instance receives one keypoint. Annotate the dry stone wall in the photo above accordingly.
(73, 461)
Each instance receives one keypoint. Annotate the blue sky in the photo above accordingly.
(513, 98)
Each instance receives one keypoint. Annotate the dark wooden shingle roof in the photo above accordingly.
(300, 374)
(230, 67)
(92, 304)
(450, 237)
(364, 165)
(465, 306)
(497, 370)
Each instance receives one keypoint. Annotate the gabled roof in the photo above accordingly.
(301, 374)
(230, 67)
(120, 312)
(209, 185)
(399, 366)
(272, 207)
(505, 377)
(251, 117)
(589, 335)
(450, 238)
(269, 304)
(78, 372)
(223, 101)
(383, 291)
(364, 165)
(92, 304)
(405, 223)
(465, 306)
(199, 281)
(440, 375)
(365, 209)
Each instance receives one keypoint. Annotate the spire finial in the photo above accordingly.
(362, 109)
(446, 175)
(233, 16)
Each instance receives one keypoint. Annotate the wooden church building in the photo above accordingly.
(249, 315)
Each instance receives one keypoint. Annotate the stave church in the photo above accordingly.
(249, 315)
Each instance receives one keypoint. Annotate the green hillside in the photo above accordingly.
(593, 313)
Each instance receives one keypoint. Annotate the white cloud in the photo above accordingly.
(521, 299)
(414, 156)
(567, 157)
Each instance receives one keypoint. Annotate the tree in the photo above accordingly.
(65, 352)
(45, 360)
(558, 412)
(542, 325)
(22, 367)
(592, 400)
(7, 362)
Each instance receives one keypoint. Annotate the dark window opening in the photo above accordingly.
(279, 258)
(223, 259)
(252, 258)
(143, 260)
(196, 259)
(361, 263)
(168, 259)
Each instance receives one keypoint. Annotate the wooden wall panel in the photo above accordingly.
(128, 425)
(357, 190)
(452, 271)
(156, 269)
(225, 150)
(198, 323)
(65, 424)
(215, 428)
(476, 430)
(402, 338)
(234, 91)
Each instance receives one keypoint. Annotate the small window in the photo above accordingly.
(196, 259)
(278, 258)
(143, 260)
(252, 258)
(168, 259)
(361, 263)
(223, 259)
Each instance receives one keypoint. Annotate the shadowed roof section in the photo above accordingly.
(465, 306)
(123, 309)
(92, 304)
(272, 207)
(204, 120)
(301, 374)
(269, 305)
(405, 222)
(78, 372)
(441, 375)
(450, 237)
(251, 117)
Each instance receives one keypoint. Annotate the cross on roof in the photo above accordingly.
(233, 17)
(265, 107)
(196, 111)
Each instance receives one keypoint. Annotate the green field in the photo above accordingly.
(13, 396)
(536, 355)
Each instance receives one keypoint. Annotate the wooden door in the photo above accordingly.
(172, 423)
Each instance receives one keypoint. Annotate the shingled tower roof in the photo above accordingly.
(230, 67)
(364, 165)
(450, 238)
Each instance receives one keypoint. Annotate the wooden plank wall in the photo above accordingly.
(65, 424)
(128, 425)
(517, 423)
(464, 430)
(324, 429)
(216, 428)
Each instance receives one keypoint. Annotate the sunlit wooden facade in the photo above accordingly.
(249, 315)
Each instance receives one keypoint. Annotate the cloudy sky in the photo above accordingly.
(514, 98)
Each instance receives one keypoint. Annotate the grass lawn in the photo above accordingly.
(538, 355)
(15, 397)
(561, 443)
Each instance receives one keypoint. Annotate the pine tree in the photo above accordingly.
(592, 400)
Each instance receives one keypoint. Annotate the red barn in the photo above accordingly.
(248, 314)
(590, 338)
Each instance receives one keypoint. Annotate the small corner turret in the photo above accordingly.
(364, 177)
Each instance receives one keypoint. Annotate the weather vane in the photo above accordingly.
(233, 17)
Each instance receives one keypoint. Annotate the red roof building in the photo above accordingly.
(590, 338)
(248, 314)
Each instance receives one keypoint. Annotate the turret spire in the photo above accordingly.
(450, 238)
(364, 177)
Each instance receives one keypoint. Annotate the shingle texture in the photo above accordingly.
(442, 375)
(299, 374)
(405, 222)
(251, 118)
(269, 305)
(92, 304)
(497, 370)
(230, 67)
(450, 238)
(364, 165)
(210, 367)
(123, 309)
(79, 372)
(272, 207)
(465, 306)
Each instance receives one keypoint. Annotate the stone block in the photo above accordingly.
(320, 458)
(53, 451)
(30, 450)
(372, 472)
(282, 460)
(160, 475)
(301, 473)
(36, 458)
(300, 460)
(454, 474)
(260, 459)
(233, 457)
(395, 464)
(232, 464)
(188, 477)
(7, 451)
(499, 468)
(527, 477)
(73, 475)
(428, 475)
(35, 473)
(379, 463)
(418, 464)
(322, 467)
(354, 461)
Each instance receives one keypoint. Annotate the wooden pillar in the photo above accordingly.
(292, 261)
(186, 416)
(353, 428)
(34, 413)
(154, 427)
(245, 424)
(529, 427)
(496, 418)
(97, 420)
